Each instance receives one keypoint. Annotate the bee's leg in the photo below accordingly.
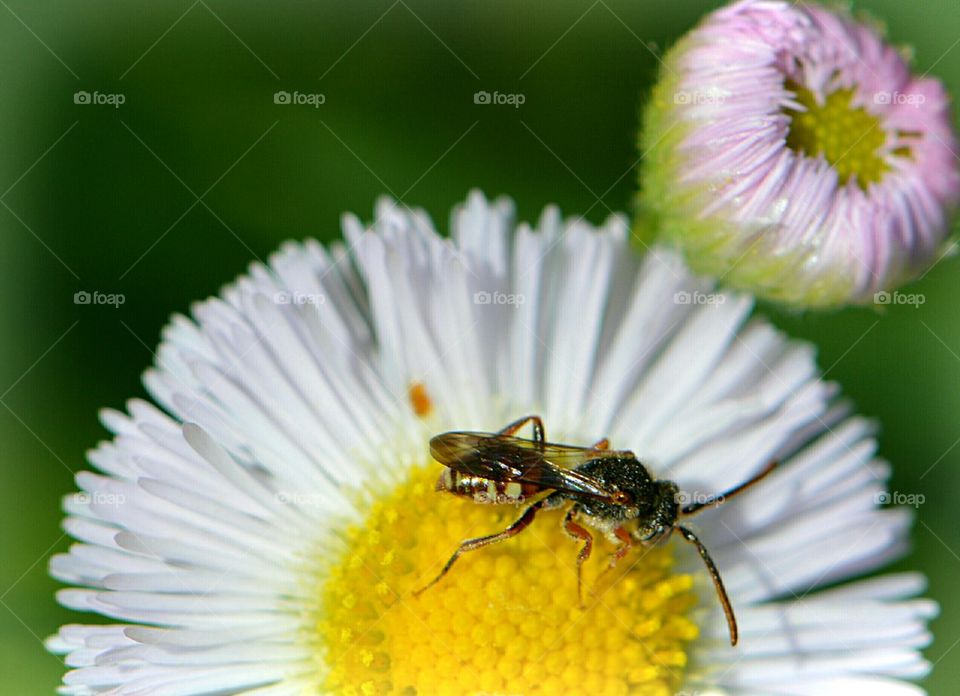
(622, 550)
(539, 435)
(726, 495)
(603, 444)
(626, 543)
(473, 544)
(578, 532)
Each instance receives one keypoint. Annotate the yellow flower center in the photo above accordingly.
(506, 618)
(850, 138)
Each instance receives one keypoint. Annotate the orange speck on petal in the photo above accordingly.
(420, 399)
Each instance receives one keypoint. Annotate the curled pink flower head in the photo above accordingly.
(789, 151)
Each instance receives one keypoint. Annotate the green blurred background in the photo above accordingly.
(99, 198)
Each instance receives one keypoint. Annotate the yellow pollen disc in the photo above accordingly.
(850, 138)
(506, 618)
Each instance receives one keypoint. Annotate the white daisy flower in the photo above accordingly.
(263, 531)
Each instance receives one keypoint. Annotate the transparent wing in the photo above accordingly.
(481, 454)
(507, 458)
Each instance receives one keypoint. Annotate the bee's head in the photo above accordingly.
(667, 506)
(663, 517)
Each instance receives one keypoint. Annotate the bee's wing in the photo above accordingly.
(481, 454)
(556, 469)
(508, 458)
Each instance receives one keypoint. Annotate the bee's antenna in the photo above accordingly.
(720, 498)
(717, 582)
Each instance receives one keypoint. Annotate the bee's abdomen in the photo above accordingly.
(483, 490)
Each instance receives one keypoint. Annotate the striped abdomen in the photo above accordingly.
(487, 491)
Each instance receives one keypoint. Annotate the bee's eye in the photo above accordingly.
(623, 498)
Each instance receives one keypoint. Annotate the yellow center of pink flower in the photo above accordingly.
(849, 137)
(506, 618)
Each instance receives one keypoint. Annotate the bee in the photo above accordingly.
(606, 490)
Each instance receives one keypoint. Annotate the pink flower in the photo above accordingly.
(790, 152)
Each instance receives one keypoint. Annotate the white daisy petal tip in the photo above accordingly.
(789, 150)
(264, 532)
